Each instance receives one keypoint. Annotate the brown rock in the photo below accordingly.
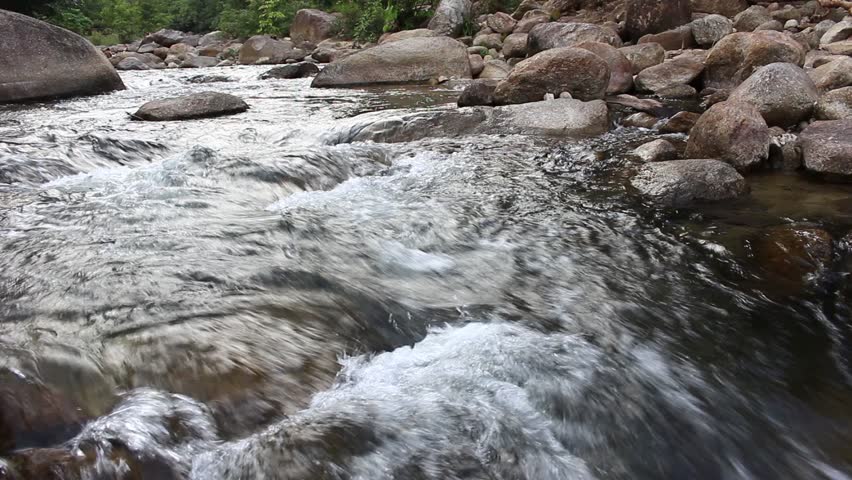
(559, 35)
(833, 75)
(733, 132)
(827, 148)
(643, 17)
(728, 8)
(530, 20)
(782, 92)
(679, 183)
(515, 45)
(678, 39)
(263, 49)
(644, 55)
(738, 55)
(501, 23)
(620, 68)
(677, 71)
(681, 122)
(835, 105)
(792, 252)
(310, 25)
(640, 120)
(579, 72)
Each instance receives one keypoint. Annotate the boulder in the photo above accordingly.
(658, 150)
(733, 132)
(738, 55)
(501, 23)
(653, 16)
(838, 48)
(835, 105)
(784, 151)
(648, 105)
(792, 252)
(515, 45)
(773, 25)
(489, 41)
(681, 122)
(263, 49)
(836, 33)
(751, 18)
(680, 38)
(40, 60)
(620, 68)
(197, 105)
(406, 34)
(563, 117)
(311, 25)
(524, 7)
(495, 70)
(148, 48)
(827, 148)
(132, 63)
(833, 75)
(166, 37)
(530, 20)
(479, 92)
(728, 8)
(415, 60)
(644, 55)
(477, 64)
(450, 16)
(330, 50)
(292, 70)
(782, 92)
(640, 120)
(677, 71)
(579, 72)
(708, 30)
(198, 61)
(679, 183)
(560, 35)
(788, 12)
(213, 38)
(677, 92)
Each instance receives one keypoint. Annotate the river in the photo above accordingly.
(260, 297)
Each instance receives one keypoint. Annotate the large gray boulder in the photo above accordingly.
(559, 35)
(39, 60)
(782, 92)
(835, 105)
(450, 16)
(310, 25)
(654, 16)
(579, 72)
(733, 132)
(827, 148)
(414, 60)
(679, 183)
(738, 55)
(197, 105)
(263, 50)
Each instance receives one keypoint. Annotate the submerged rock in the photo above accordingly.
(679, 183)
(827, 148)
(656, 151)
(733, 132)
(792, 252)
(40, 60)
(414, 60)
(782, 92)
(198, 105)
(579, 72)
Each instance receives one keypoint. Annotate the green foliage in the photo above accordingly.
(73, 19)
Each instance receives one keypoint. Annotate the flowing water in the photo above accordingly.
(263, 296)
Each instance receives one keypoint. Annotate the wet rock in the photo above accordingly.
(728, 8)
(198, 105)
(677, 92)
(479, 92)
(620, 68)
(560, 117)
(837, 33)
(406, 61)
(579, 72)
(644, 55)
(751, 18)
(792, 252)
(835, 105)
(782, 92)
(708, 30)
(651, 16)
(489, 41)
(681, 122)
(648, 105)
(293, 70)
(43, 61)
(734, 132)
(208, 79)
(196, 61)
(213, 38)
(166, 37)
(450, 16)
(677, 39)
(738, 55)
(515, 45)
(263, 49)
(530, 20)
(827, 148)
(784, 152)
(311, 25)
(501, 23)
(640, 120)
(656, 151)
(132, 63)
(681, 70)
(547, 36)
(679, 183)
(833, 75)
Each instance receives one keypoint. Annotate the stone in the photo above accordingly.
(414, 60)
(132, 63)
(515, 45)
(708, 30)
(782, 92)
(293, 70)
(677, 92)
(681, 183)
(833, 75)
(827, 148)
(450, 16)
(839, 48)
(560, 35)
(728, 8)
(560, 117)
(197, 61)
(311, 25)
(677, 71)
(644, 55)
(658, 150)
(648, 105)
(751, 18)
(148, 48)
(653, 16)
(773, 25)
(406, 34)
(789, 12)
(640, 120)
(213, 38)
(199, 79)
(738, 55)
(784, 151)
(479, 92)
(681, 122)
(330, 50)
(489, 41)
(835, 105)
(166, 37)
(263, 49)
(197, 105)
(791, 25)
(495, 70)
(579, 72)
(477, 65)
(501, 23)
(792, 252)
(40, 60)
(530, 20)
(525, 7)
(620, 68)
(733, 132)
(680, 38)
(837, 33)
